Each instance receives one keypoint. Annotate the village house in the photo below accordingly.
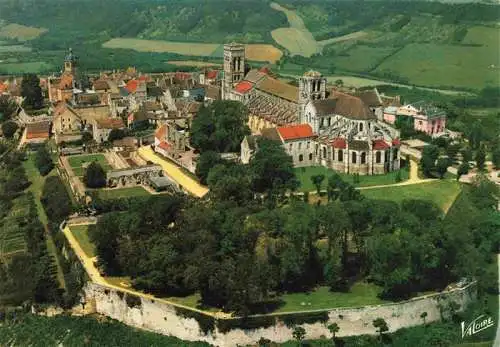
(427, 118)
(36, 133)
(101, 128)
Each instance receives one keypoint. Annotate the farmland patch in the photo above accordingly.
(21, 32)
(445, 65)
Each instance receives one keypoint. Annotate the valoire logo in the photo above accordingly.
(479, 324)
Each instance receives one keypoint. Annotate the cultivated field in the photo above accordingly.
(14, 48)
(21, 32)
(445, 65)
(78, 162)
(184, 48)
(297, 38)
(352, 36)
(362, 58)
(263, 52)
(30, 67)
(194, 63)
(11, 237)
(257, 52)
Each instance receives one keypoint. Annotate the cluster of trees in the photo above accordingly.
(43, 161)
(31, 92)
(252, 240)
(218, 128)
(94, 176)
(58, 206)
(27, 275)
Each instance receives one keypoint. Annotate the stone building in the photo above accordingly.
(336, 130)
(61, 88)
(426, 117)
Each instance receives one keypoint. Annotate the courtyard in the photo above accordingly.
(79, 162)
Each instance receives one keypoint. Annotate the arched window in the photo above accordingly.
(354, 157)
(363, 158)
(310, 156)
(341, 155)
(324, 152)
(301, 157)
(395, 154)
(360, 126)
(378, 157)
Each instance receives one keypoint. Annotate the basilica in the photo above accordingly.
(316, 126)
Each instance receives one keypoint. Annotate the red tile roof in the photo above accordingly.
(39, 130)
(243, 87)
(66, 81)
(3, 87)
(161, 132)
(380, 145)
(396, 142)
(164, 145)
(212, 74)
(143, 78)
(132, 86)
(294, 132)
(339, 143)
(182, 75)
(110, 123)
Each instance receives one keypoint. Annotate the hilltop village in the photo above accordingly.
(235, 205)
(344, 129)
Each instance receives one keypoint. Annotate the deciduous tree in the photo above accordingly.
(317, 180)
(9, 128)
(43, 161)
(428, 162)
(31, 91)
(94, 176)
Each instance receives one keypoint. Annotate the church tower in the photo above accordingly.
(312, 86)
(234, 66)
(70, 63)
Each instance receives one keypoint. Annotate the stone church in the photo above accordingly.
(316, 127)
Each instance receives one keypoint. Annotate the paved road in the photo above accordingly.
(174, 172)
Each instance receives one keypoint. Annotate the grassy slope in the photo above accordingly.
(109, 194)
(442, 192)
(36, 187)
(80, 232)
(304, 176)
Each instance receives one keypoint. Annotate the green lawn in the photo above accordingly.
(442, 192)
(117, 193)
(361, 294)
(304, 176)
(81, 233)
(36, 187)
(77, 162)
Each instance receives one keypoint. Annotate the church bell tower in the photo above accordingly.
(312, 86)
(234, 66)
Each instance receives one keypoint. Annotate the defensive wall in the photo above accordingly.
(161, 316)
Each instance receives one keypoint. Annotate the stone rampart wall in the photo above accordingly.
(170, 319)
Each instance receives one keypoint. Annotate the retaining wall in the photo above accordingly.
(170, 319)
